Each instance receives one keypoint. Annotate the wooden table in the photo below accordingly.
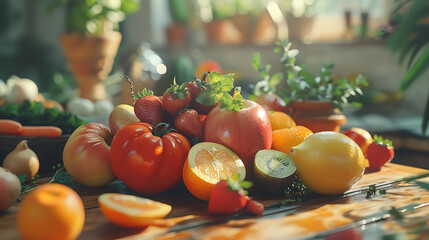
(314, 218)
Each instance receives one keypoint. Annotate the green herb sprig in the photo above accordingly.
(301, 85)
(218, 90)
(34, 114)
(60, 176)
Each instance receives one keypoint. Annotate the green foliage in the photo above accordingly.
(218, 91)
(91, 16)
(410, 39)
(303, 86)
(34, 114)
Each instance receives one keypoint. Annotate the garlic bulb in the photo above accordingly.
(3, 89)
(21, 89)
(22, 160)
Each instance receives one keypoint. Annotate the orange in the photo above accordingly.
(329, 162)
(52, 211)
(207, 164)
(280, 120)
(131, 211)
(285, 138)
(205, 66)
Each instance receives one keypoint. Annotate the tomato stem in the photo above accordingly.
(162, 128)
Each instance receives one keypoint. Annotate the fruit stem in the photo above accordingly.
(161, 129)
(203, 79)
(131, 85)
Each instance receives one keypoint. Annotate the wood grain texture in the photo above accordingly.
(190, 219)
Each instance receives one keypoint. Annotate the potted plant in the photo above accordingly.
(410, 38)
(315, 101)
(91, 41)
(300, 16)
(176, 31)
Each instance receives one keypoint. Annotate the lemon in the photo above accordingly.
(274, 170)
(328, 162)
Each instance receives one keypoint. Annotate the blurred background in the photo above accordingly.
(166, 38)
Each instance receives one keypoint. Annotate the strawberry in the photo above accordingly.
(379, 152)
(148, 108)
(224, 200)
(188, 123)
(196, 87)
(228, 196)
(255, 207)
(176, 98)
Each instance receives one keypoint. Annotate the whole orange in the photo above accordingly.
(52, 211)
(207, 65)
(280, 120)
(286, 138)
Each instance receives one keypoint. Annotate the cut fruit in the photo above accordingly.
(207, 164)
(131, 211)
(274, 170)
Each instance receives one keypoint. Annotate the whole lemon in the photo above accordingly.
(328, 162)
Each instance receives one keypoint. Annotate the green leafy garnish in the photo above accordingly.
(218, 91)
(34, 114)
(60, 176)
(383, 142)
(372, 190)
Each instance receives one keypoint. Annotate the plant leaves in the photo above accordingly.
(425, 120)
(416, 69)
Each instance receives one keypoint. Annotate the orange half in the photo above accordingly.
(131, 211)
(207, 164)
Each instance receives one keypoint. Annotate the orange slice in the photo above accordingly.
(131, 211)
(207, 164)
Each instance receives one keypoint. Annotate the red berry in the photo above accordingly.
(149, 109)
(255, 207)
(189, 124)
(225, 201)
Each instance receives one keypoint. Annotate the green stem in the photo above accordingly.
(161, 129)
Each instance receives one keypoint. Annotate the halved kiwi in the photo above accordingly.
(274, 171)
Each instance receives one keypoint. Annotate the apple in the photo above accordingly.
(361, 136)
(120, 116)
(10, 188)
(86, 155)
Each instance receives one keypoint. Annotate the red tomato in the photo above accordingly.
(145, 162)
(378, 155)
(245, 132)
(223, 200)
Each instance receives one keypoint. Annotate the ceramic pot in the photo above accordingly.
(317, 115)
(90, 59)
(176, 34)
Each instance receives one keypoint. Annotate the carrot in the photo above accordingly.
(41, 131)
(10, 127)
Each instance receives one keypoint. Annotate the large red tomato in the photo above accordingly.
(148, 161)
(245, 132)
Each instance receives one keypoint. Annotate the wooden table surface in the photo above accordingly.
(314, 218)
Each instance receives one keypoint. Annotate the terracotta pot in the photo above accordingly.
(317, 115)
(176, 34)
(299, 28)
(90, 59)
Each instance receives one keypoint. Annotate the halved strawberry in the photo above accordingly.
(176, 98)
(148, 108)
